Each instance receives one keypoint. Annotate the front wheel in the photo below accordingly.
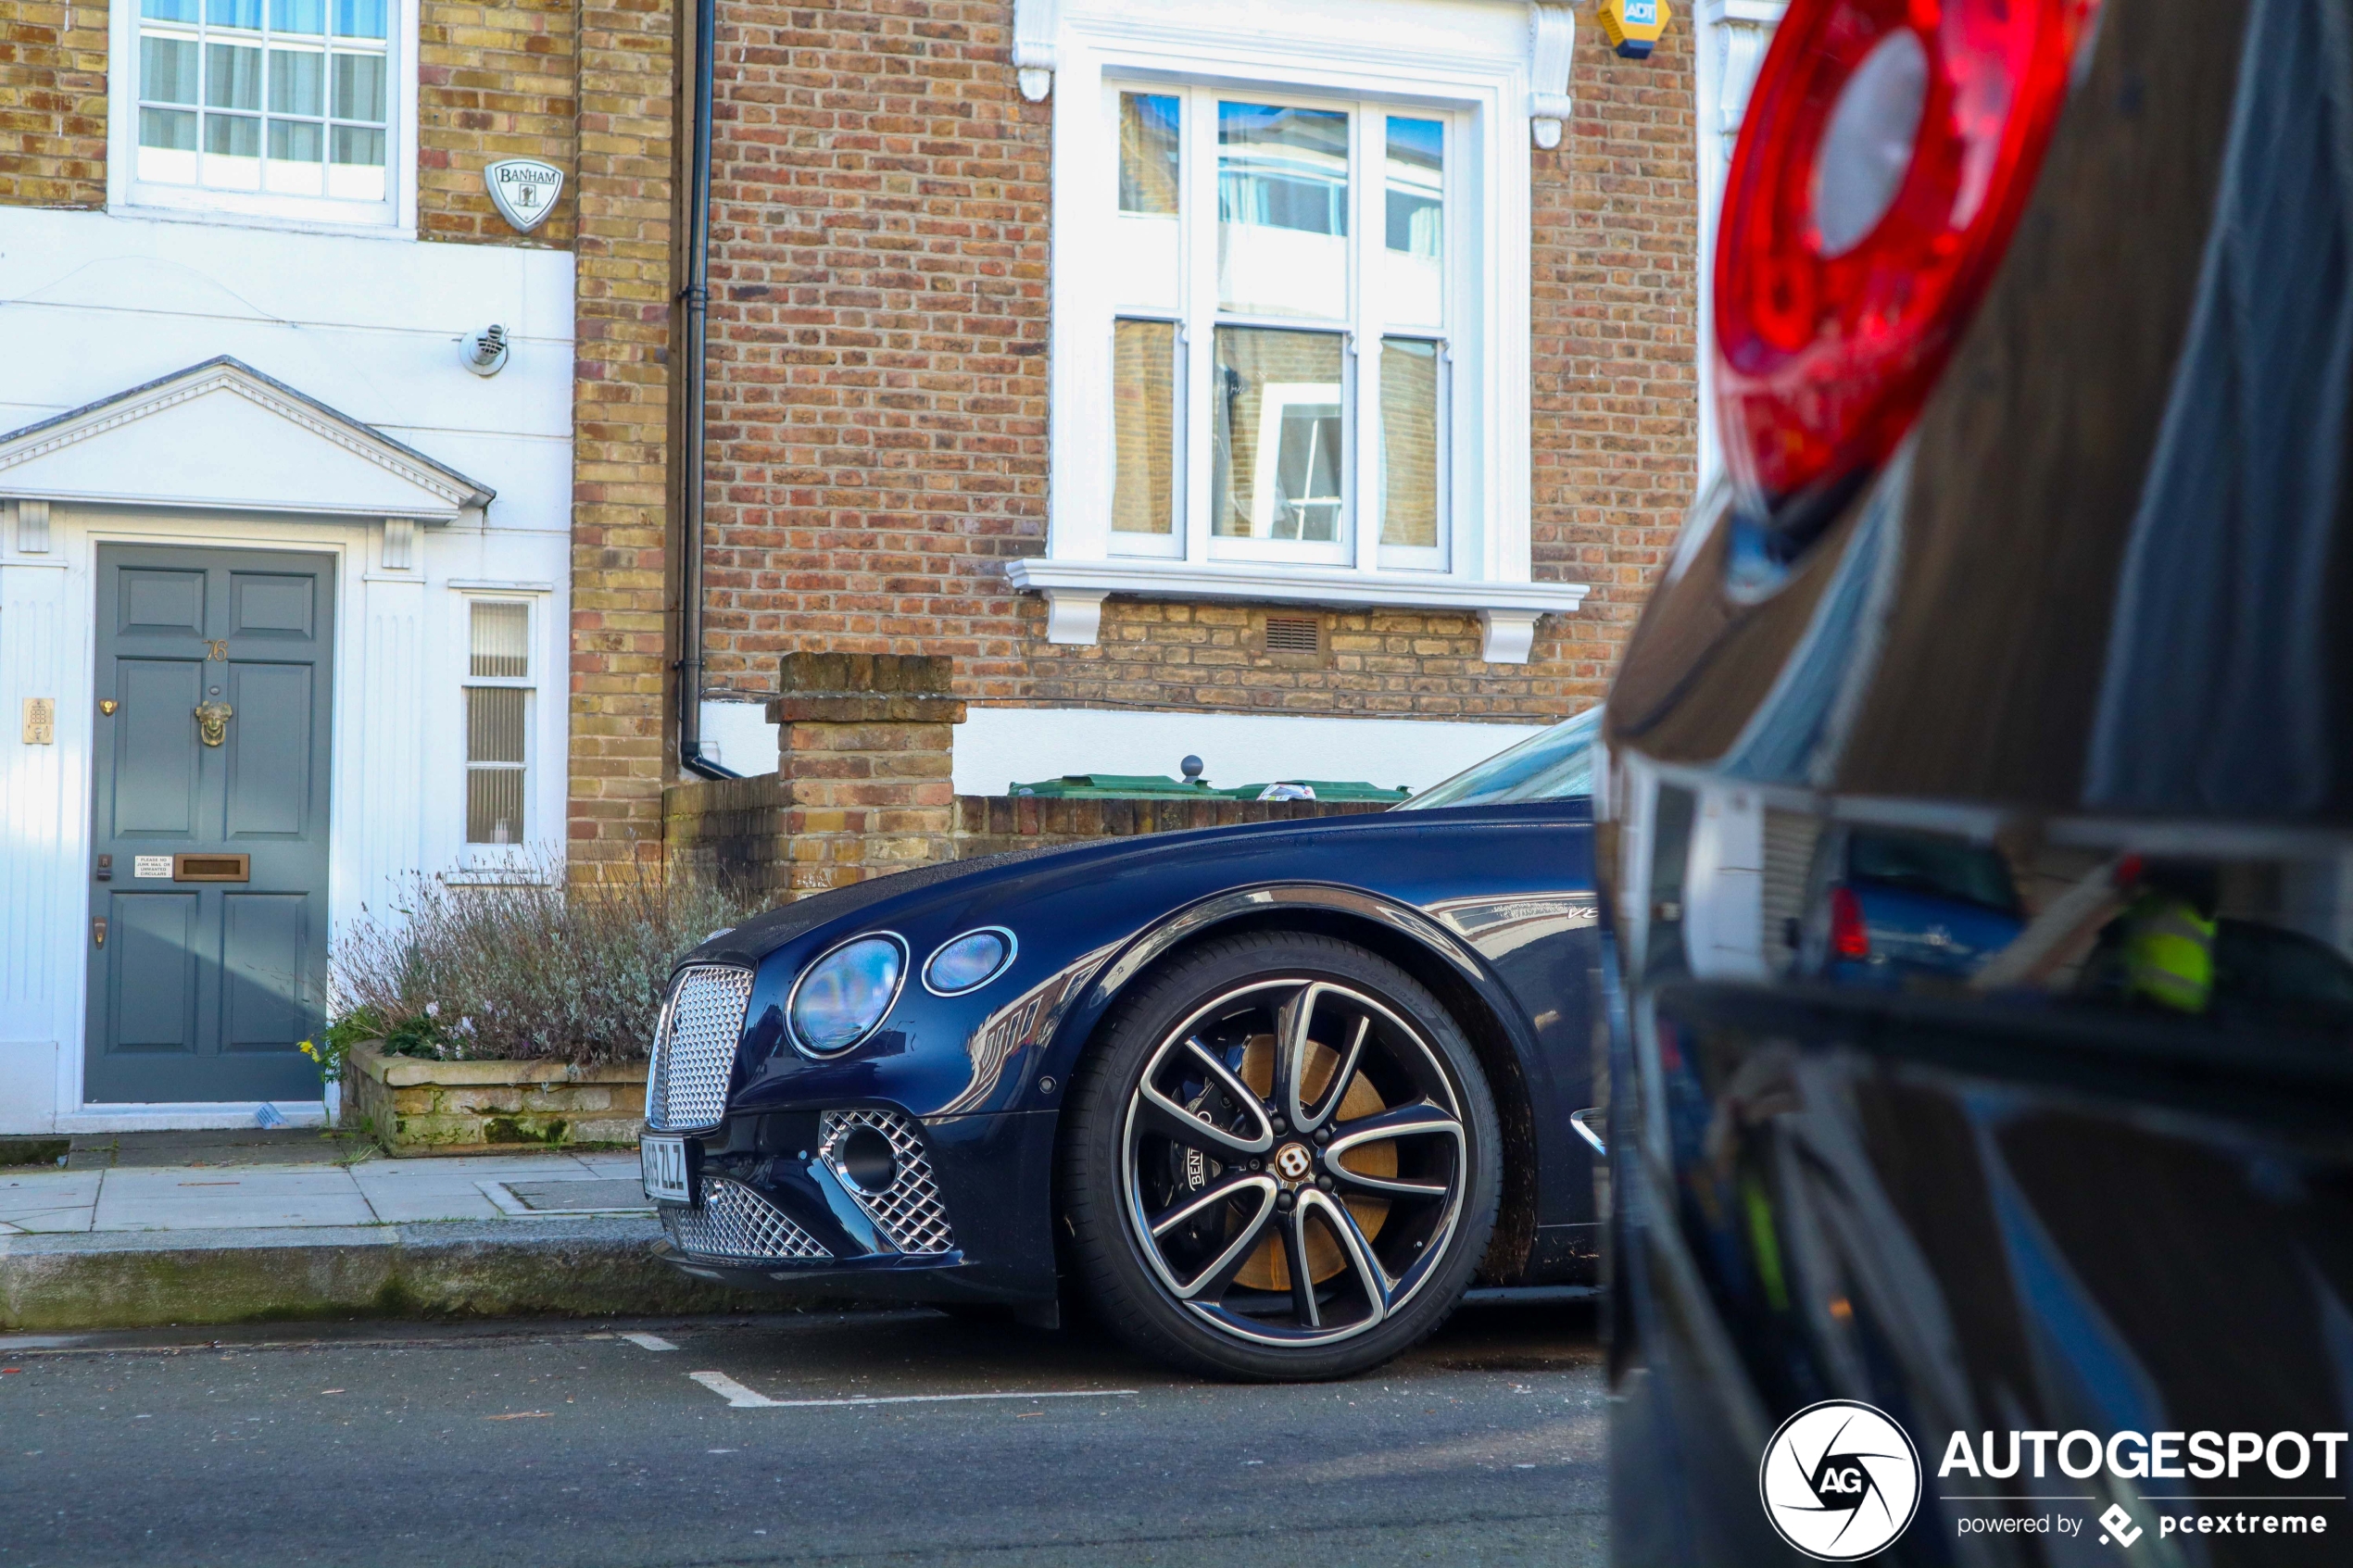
(1281, 1162)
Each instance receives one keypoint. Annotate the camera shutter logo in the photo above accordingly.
(523, 190)
(1840, 1480)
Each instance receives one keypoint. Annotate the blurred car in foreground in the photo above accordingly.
(1271, 1096)
(2022, 615)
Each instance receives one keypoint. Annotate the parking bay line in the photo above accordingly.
(740, 1398)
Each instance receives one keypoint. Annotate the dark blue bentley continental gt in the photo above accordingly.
(1272, 1097)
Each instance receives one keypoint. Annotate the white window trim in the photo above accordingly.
(516, 857)
(394, 217)
(1492, 95)
(1732, 38)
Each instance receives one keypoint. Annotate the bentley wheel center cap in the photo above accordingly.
(1292, 1162)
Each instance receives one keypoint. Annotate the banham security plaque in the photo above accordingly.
(525, 190)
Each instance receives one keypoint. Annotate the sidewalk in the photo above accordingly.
(249, 1227)
(239, 1196)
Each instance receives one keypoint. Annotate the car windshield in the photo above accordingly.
(1551, 765)
(1940, 868)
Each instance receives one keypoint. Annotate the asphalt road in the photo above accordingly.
(575, 1447)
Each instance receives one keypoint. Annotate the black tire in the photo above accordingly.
(1147, 1194)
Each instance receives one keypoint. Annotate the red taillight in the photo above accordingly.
(1850, 938)
(1887, 151)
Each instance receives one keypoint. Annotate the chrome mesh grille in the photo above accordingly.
(910, 1213)
(694, 1049)
(735, 1222)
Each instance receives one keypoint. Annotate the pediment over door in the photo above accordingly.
(222, 436)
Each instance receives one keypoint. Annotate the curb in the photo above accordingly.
(455, 1269)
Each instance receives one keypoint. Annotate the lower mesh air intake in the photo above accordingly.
(908, 1210)
(735, 1222)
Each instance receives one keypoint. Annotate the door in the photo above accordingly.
(208, 938)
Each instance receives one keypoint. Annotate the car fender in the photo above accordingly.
(1526, 1098)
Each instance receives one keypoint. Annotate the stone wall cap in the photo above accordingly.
(407, 1072)
(863, 708)
(915, 675)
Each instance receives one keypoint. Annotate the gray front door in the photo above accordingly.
(209, 829)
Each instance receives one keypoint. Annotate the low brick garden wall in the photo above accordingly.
(861, 789)
(991, 824)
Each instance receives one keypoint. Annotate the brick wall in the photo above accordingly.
(880, 320)
(865, 746)
(52, 103)
(621, 419)
(1616, 327)
(495, 81)
(879, 330)
(737, 831)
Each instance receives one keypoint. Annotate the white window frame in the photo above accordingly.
(1409, 56)
(515, 855)
(1732, 37)
(396, 216)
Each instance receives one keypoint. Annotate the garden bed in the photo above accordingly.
(416, 1105)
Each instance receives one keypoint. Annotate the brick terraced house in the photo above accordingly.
(1307, 384)
(288, 585)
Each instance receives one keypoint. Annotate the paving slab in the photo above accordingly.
(403, 1205)
(466, 1169)
(573, 1195)
(410, 1190)
(235, 1145)
(208, 1198)
(62, 1200)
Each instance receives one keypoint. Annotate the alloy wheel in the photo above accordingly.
(1293, 1162)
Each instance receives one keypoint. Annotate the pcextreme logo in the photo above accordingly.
(1840, 1480)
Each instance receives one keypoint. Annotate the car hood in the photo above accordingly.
(1249, 846)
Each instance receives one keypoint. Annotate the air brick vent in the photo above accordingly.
(1294, 633)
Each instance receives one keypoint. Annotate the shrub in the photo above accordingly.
(534, 969)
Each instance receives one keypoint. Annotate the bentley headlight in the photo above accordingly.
(843, 997)
(968, 963)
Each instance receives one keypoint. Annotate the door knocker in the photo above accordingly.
(212, 721)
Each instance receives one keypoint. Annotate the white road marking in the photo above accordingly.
(650, 1342)
(740, 1398)
(735, 1394)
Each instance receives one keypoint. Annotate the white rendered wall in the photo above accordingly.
(998, 747)
(93, 304)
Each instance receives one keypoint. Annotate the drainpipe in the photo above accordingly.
(695, 297)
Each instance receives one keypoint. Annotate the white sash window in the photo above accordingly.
(1278, 322)
(498, 698)
(1290, 303)
(288, 109)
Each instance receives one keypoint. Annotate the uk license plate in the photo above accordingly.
(664, 1161)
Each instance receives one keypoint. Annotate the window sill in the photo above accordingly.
(497, 876)
(1075, 592)
(232, 214)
